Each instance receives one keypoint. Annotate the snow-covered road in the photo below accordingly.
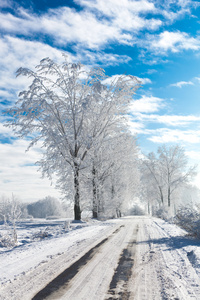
(132, 258)
(95, 270)
(163, 268)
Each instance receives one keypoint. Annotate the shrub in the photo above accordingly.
(41, 234)
(188, 218)
(161, 213)
(6, 241)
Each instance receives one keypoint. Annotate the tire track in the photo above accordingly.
(61, 282)
(103, 270)
(119, 285)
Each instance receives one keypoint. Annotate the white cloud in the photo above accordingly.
(146, 105)
(151, 71)
(101, 22)
(113, 78)
(180, 84)
(5, 94)
(6, 131)
(67, 25)
(175, 9)
(168, 120)
(19, 175)
(93, 27)
(176, 120)
(144, 80)
(93, 58)
(16, 53)
(194, 155)
(5, 3)
(114, 7)
(125, 14)
(166, 135)
(171, 41)
(135, 127)
(64, 25)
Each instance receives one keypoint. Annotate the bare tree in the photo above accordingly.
(69, 109)
(152, 175)
(168, 171)
(116, 174)
(11, 211)
(4, 208)
(14, 215)
(173, 162)
(125, 174)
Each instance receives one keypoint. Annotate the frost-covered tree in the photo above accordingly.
(69, 110)
(14, 215)
(190, 195)
(174, 165)
(153, 177)
(49, 206)
(4, 208)
(114, 174)
(10, 210)
(124, 179)
(167, 172)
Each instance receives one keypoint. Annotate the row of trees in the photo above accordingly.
(164, 181)
(80, 118)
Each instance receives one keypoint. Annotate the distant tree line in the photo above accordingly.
(13, 209)
(49, 206)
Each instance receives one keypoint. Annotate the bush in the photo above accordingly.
(41, 234)
(6, 241)
(161, 213)
(188, 218)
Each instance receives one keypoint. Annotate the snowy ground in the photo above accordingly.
(132, 258)
(167, 263)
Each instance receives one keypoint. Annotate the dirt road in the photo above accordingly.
(140, 260)
(105, 269)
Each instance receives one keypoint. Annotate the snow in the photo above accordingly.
(164, 267)
(50, 256)
(166, 260)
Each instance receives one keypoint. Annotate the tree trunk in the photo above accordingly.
(77, 210)
(14, 233)
(94, 190)
(118, 213)
(168, 197)
(5, 220)
(161, 195)
(149, 212)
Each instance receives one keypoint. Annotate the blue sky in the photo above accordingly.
(157, 41)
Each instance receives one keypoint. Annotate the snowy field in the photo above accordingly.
(158, 260)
